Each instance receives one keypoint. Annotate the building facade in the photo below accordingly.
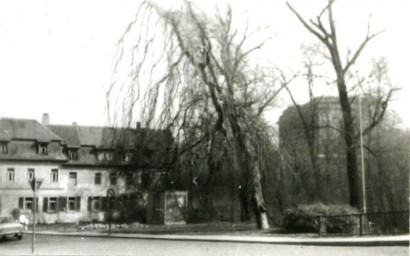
(311, 136)
(77, 165)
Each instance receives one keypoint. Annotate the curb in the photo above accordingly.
(402, 240)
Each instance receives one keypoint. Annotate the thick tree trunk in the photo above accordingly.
(251, 169)
(259, 206)
(349, 137)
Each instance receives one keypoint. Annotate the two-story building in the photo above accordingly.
(77, 165)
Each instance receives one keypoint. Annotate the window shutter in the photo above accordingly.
(45, 204)
(62, 204)
(89, 206)
(21, 202)
(78, 203)
(37, 204)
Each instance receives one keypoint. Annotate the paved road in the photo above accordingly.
(60, 245)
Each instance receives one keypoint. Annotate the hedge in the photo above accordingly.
(304, 218)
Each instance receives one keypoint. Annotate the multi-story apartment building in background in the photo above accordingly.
(312, 137)
(77, 165)
(313, 133)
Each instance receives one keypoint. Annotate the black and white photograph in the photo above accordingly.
(204, 127)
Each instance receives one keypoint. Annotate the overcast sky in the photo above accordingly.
(57, 56)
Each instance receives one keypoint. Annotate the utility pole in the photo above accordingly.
(362, 156)
(35, 184)
(34, 216)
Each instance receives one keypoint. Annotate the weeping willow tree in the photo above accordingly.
(193, 73)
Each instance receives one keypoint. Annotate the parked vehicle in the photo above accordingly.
(10, 227)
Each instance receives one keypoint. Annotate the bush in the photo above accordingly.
(304, 218)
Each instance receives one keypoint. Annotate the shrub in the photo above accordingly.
(304, 218)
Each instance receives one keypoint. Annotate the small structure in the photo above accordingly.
(168, 207)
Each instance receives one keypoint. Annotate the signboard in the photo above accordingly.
(35, 183)
(110, 192)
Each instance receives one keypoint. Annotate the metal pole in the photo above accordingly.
(109, 215)
(34, 217)
(362, 156)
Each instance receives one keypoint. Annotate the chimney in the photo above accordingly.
(45, 120)
(138, 125)
(74, 124)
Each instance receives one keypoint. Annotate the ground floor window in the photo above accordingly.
(113, 178)
(97, 203)
(26, 203)
(52, 204)
(61, 204)
(74, 203)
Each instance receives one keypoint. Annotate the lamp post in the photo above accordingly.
(362, 156)
(35, 184)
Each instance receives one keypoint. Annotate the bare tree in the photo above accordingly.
(308, 117)
(193, 74)
(324, 29)
(380, 143)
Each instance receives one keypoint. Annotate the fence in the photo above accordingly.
(364, 224)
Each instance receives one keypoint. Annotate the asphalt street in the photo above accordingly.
(61, 245)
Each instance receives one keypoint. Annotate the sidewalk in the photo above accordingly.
(398, 240)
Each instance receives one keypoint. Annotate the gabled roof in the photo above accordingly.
(76, 136)
(96, 136)
(69, 134)
(109, 137)
(25, 129)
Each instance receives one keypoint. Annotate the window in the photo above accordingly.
(61, 204)
(72, 154)
(97, 178)
(3, 148)
(109, 156)
(145, 179)
(42, 149)
(74, 203)
(100, 156)
(113, 179)
(105, 155)
(52, 204)
(128, 156)
(30, 174)
(26, 203)
(10, 174)
(72, 179)
(71, 204)
(97, 203)
(128, 179)
(54, 175)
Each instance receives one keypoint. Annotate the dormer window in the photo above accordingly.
(105, 155)
(3, 148)
(128, 156)
(72, 154)
(42, 149)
